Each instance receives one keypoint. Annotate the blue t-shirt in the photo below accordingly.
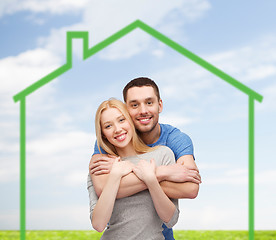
(179, 142)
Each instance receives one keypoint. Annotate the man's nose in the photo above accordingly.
(143, 109)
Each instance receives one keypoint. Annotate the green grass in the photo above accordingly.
(93, 235)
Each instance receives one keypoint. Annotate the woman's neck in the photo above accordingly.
(126, 151)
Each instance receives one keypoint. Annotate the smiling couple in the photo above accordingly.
(139, 168)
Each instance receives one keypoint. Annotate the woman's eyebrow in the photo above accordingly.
(107, 122)
(120, 116)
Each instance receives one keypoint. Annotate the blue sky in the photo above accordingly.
(239, 37)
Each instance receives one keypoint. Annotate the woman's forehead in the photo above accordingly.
(110, 113)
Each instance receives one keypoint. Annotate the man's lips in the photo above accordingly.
(144, 120)
(121, 137)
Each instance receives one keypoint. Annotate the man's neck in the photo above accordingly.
(152, 136)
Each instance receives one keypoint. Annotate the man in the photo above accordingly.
(180, 180)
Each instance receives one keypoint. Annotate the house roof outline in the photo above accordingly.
(87, 53)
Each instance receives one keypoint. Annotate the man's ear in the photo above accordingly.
(160, 105)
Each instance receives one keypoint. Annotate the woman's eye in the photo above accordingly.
(107, 126)
(122, 119)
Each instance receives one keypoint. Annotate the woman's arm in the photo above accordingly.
(163, 205)
(104, 207)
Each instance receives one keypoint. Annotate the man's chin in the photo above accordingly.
(144, 129)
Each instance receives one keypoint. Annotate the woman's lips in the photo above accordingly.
(121, 137)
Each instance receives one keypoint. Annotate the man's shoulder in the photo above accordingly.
(170, 130)
(180, 143)
(172, 135)
(167, 128)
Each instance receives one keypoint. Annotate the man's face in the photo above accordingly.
(144, 108)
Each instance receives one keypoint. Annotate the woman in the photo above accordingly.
(141, 215)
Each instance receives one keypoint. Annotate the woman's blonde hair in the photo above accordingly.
(102, 142)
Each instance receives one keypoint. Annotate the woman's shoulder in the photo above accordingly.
(164, 149)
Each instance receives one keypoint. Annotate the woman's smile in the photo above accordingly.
(121, 137)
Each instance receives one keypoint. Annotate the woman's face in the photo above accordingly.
(116, 128)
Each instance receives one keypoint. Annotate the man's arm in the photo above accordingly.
(182, 178)
(131, 184)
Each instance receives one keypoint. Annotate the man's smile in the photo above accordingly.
(144, 120)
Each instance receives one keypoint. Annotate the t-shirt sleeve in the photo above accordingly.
(97, 151)
(167, 156)
(93, 198)
(180, 143)
(175, 216)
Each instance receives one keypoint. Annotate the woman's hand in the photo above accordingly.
(145, 171)
(121, 168)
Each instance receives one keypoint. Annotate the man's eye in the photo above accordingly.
(149, 103)
(134, 105)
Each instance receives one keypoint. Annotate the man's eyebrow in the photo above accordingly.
(132, 101)
(146, 99)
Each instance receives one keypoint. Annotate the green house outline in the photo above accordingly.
(88, 52)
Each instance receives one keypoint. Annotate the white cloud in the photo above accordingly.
(254, 62)
(68, 152)
(9, 219)
(66, 217)
(213, 166)
(158, 53)
(77, 178)
(208, 216)
(102, 21)
(41, 6)
(268, 104)
(189, 80)
(175, 120)
(18, 72)
(254, 65)
(63, 153)
(238, 176)
(58, 142)
(267, 177)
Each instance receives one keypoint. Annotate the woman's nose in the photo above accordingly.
(117, 128)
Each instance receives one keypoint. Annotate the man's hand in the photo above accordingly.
(178, 173)
(101, 164)
(185, 170)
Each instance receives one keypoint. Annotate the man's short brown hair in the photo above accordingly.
(141, 82)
